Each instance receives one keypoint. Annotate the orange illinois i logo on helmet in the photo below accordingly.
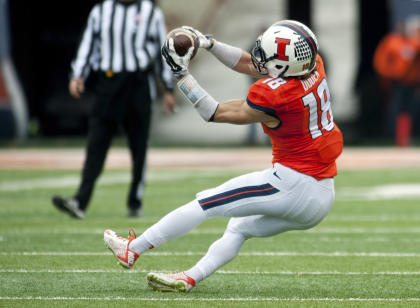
(281, 48)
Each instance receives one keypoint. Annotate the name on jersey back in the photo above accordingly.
(310, 81)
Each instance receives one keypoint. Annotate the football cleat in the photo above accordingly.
(69, 205)
(119, 247)
(178, 282)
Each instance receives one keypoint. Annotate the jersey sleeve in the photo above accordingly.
(258, 98)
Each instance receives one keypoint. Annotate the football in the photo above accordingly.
(183, 40)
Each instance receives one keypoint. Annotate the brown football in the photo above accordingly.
(183, 40)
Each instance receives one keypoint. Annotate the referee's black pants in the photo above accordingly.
(121, 100)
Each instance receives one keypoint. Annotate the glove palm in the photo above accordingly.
(178, 64)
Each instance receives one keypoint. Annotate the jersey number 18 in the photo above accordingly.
(321, 94)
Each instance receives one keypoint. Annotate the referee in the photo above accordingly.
(121, 48)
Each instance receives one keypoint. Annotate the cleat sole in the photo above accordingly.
(158, 284)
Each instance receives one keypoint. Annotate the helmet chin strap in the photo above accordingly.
(281, 74)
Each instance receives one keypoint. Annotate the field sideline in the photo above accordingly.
(366, 253)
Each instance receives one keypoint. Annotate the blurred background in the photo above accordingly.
(38, 40)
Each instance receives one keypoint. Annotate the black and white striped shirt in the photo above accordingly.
(123, 37)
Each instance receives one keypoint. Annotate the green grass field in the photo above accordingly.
(366, 253)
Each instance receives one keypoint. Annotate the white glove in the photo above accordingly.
(204, 41)
(178, 64)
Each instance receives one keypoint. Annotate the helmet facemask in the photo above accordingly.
(258, 57)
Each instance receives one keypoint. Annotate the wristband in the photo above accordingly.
(205, 104)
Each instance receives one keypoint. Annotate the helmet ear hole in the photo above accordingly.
(279, 67)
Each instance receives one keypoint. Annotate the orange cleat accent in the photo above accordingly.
(119, 247)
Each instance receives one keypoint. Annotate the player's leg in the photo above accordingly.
(303, 204)
(175, 224)
(240, 229)
(222, 251)
(219, 253)
(180, 221)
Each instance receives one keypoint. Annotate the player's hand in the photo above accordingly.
(178, 64)
(77, 87)
(204, 41)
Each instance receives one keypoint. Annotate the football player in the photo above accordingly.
(292, 102)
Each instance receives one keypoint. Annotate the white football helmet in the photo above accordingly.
(287, 48)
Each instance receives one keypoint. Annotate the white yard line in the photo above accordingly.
(372, 218)
(199, 253)
(381, 192)
(410, 191)
(211, 299)
(221, 272)
(107, 179)
(399, 230)
(209, 231)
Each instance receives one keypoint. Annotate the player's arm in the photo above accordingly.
(237, 111)
(245, 66)
(234, 111)
(233, 57)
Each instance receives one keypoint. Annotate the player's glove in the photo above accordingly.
(204, 41)
(178, 64)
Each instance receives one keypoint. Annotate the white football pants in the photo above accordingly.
(261, 204)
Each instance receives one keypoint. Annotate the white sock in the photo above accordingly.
(175, 224)
(220, 252)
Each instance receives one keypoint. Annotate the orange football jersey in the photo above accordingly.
(306, 139)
